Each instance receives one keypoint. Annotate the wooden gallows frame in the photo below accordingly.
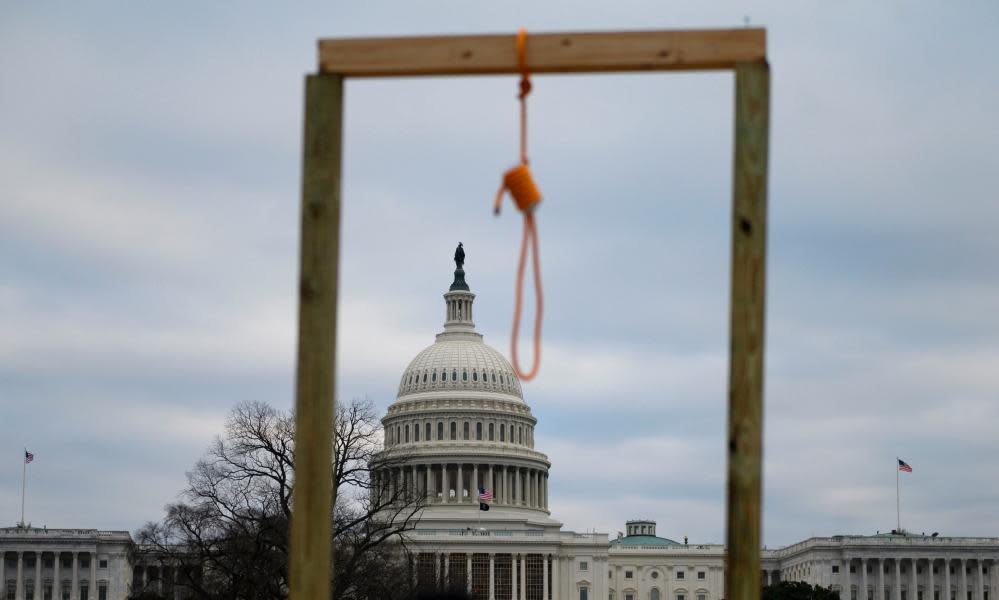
(740, 50)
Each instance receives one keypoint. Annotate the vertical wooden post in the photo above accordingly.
(310, 560)
(745, 386)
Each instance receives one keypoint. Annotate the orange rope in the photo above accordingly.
(526, 196)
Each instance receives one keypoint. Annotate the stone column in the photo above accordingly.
(19, 577)
(475, 480)
(994, 580)
(945, 594)
(844, 579)
(979, 580)
(492, 571)
(56, 578)
(881, 580)
(447, 569)
(427, 487)
(523, 577)
(513, 576)
(914, 564)
(445, 484)
(556, 573)
(93, 577)
(74, 586)
(544, 578)
(516, 486)
(929, 581)
(492, 483)
(437, 569)
(468, 572)
(38, 575)
(458, 489)
(416, 483)
(863, 580)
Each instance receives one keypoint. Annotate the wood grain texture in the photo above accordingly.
(310, 563)
(546, 53)
(745, 386)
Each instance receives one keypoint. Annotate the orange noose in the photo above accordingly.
(526, 196)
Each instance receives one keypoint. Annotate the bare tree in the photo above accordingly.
(228, 536)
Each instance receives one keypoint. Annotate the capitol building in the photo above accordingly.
(461, 422)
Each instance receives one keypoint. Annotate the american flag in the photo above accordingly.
(904, 466)
(28, 457)
(485, 495)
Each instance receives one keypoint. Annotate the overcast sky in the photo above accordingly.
(149, 174)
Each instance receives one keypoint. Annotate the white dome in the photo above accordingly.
(459, 362)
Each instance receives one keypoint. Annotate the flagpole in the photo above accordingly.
(898, 503)
(24, 479)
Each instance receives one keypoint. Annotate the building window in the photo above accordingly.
(478, 430)
(502, 432)
(702, 597)
(416, 433)
(584, 593)
(681, 597)
(629, 597)
(654, 594)
(853, 594)
(520, 430)
(84, 590)
(475, 376)
(835, 568)
(700, 575)
(583, 565)
(440, 430)
(424, 378)
(490, 432)
(464, 375)
(407, 434)
(102, 591)
(629, 574)
(433, 377)
(465, 431)
(853, 569)
(454, 376)
(655, 574)
(454, 430)
(679, 575)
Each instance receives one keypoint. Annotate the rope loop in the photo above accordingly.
(526, 196)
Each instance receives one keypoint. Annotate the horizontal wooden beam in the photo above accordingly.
(546, 53)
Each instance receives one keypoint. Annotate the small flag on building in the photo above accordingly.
(904, 466)
(28, 457)
(485, 497)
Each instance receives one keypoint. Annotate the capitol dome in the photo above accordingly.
(461, 423)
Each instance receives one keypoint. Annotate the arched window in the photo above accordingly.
(454, 430)
(407, 434)
(464, 375)
(520, 434)
(454, 375)
(424, 378)
(654, 594)
(502, 432)
(465, 431)
(440, 430)
(416, 432)
(478, 430)
(427, 430)
(490, 432)
(475, 375)
(398, 434)
(494, 377)
(433, 377)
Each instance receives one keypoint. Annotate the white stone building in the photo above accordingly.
(64, 564)
(461, 422)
